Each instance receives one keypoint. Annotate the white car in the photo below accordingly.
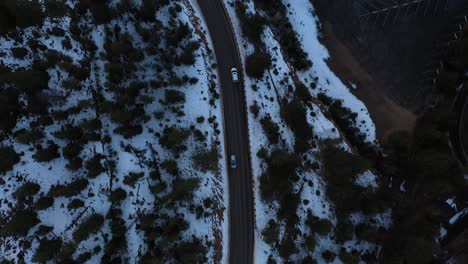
(233, 162)
(234, 75)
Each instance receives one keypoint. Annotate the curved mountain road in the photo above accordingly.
(241, 214)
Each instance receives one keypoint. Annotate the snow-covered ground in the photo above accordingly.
(122, 156)
(269, 91)
(302, 16)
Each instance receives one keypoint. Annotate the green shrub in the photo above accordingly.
(84, 257)
(252, 25)
(55, 8)
(287, 248)
(344, 230)
(173, 96)
(182, 190)
(72, 150)
(88, 227)
(254, 109)
(69, 132)
(295, 115)
(91, 124)
(69, 190)
(188, 54)
(173, 139)
(75, 204)
(94, 166)
(200, 119)
(26, 137)
(199, 136)
(170, 166)
(262, 153)
(129, 131)
(47, 250)
(310, 243)
(20, 223)
(118, 195)
(271, 129)
(8, 159)
(280, 175)
(341, 166)
(321, 226)
(368, 233)
(325, 99)
(43, 230)
(28, 81)
(257, 63)
(56, 31)
(206, 160)
(119, 239)
(309, 260)
(115, 72)
(340, 169)
(158, 188)
(44, 202)
(26, 191)
(191, 252)
(71, 84)
(132, 178)
(20, 52)
(328, 256)
(67, 45)
(288, 39)
(271, 232)
(75, 164)
(148, 10)
(9, 103)
(101, 11)
(349, 257)
(303, 93)
(48, 154)
(20, 13)
(67, 251)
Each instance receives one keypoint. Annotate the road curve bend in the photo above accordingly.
(241, 214)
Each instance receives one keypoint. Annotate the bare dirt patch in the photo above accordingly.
(388, 62)
(387, 115)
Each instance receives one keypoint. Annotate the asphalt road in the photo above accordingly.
(241, 220)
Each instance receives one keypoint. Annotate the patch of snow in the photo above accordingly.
(457, 216)
(451, 203)
(367, 179)
(305, 23)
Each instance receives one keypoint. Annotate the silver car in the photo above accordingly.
(234, 75)
(233, 162)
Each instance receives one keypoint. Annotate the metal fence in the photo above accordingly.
(375, 13)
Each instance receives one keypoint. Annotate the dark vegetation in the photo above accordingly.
(88, 227)
(8, 158)
(271, 129)
(19, 223)
(47, 250)
(295, 115)
(416, 174)
(278, 21)
(345, 119)
(121, 97)
(20, 13)
(425, 160)
(257, 63)
(340, 169)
